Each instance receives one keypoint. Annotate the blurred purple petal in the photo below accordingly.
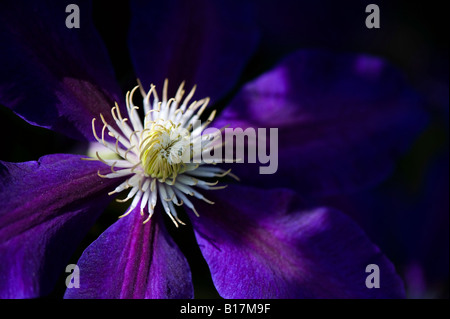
(55, 77)
(47, 208)
(207, 43)
(263, 244)
(409, 219)
(132, 260)
(342, 121)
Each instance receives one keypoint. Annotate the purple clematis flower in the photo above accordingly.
(342, 121)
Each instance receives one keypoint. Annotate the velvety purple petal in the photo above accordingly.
(53, 76)
(342, 121)
(264, 244)
(201, 42)
(47, 208)
(133, 260)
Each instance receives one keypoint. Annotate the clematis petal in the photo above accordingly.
(342, 121)
(263, 244)
(132, 260)
(417, 211)
(57, 77)
(47, 208)
(201, 42)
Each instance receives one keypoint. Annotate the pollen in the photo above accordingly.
(155, 151)
(163, 148)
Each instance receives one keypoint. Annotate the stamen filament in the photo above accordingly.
(151, 153)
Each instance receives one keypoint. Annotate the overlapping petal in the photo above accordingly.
(342, 121)
(54, 76)
(132, 260)
(265, 244)
(47, 208)
(205, 43)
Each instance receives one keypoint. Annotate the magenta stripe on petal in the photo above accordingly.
(133, 260)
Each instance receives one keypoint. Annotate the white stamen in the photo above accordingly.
(150, 152)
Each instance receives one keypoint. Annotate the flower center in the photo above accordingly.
(155, 156)
(163, 148)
